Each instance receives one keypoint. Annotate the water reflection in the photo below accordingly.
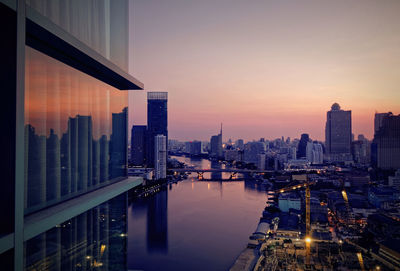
(193, 225)
(250, 185)
(157, 223)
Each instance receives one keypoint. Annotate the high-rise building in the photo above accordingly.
(157, 121)
(216, 145)
(338, 134)
(160, 157)
(386, 143)
(64, 66)
(252, 150)
(196, 147)
(239, 144)
(301, 148)
(379, 119)
(138, 145)
(261, 158)
(361, 150)
(315, 153)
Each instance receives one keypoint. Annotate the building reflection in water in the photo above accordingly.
(153, 212)
(94, 240)
(216, 175)
(157, 223)
(251, 185)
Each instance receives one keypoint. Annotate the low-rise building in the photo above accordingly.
(378, 195)
(288, 226)
(289, 201)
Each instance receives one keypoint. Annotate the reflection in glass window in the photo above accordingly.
(94, 240)
(100, 24)
(75, 132)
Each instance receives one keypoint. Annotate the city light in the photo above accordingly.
(308, 154)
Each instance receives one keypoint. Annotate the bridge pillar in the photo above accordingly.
(200, 175)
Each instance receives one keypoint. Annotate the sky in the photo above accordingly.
(265, 68)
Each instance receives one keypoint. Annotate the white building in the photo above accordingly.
(314, 153)
(293, 153)
(160, 157)
(261, 161)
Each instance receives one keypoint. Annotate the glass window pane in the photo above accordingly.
(100, 24)
(75, 132)
(93, 240)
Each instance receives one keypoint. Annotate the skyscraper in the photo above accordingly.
(216, 145)
(338, 134)
(157, 121)
(160, 157)
(386, 143)
(138, 145)
(301, 148)
(379, 119)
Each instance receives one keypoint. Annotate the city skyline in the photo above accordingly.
(267, 69)
(253, 136)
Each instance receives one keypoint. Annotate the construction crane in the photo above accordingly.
(350, 219)
(360, 261)
(305, 185)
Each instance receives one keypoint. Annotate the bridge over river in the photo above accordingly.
(235, 171)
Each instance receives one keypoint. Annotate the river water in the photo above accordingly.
(194, 225)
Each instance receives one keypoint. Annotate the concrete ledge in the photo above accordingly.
(6, 242)
(10, 3)
(46, 219)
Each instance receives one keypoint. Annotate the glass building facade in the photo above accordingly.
(64, 71)
(93, 240)
(102, 25)
(75, 127)
(157, 122)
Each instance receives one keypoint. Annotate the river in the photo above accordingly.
(194, 225)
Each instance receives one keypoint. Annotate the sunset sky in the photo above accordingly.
(266, 68)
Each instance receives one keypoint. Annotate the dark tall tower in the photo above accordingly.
(157, 121)
(386, 143)
(338, 134)
(301, 149)
(138, 145)
(216, 145)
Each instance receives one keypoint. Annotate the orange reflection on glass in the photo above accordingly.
(75, 130)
